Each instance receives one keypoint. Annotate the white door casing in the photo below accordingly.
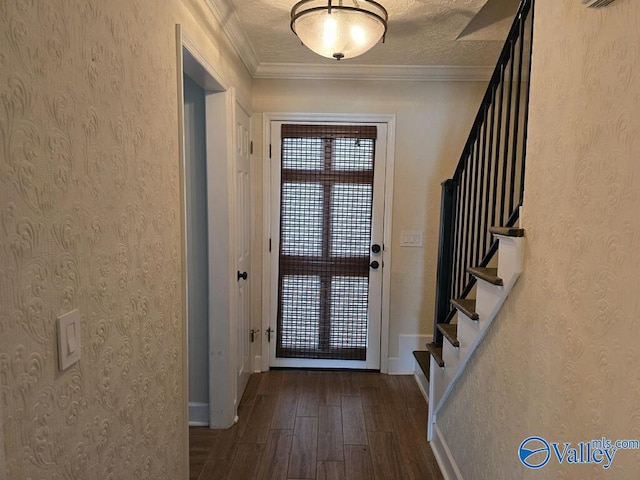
(228, 370)
(377, 336)
(222, 259)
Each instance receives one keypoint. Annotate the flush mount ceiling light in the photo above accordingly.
(339, 28)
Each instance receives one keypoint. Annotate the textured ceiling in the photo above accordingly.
(420, 33)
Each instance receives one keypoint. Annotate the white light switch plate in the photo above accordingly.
(410, 238)
(69, 340)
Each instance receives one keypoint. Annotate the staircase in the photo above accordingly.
(473, 318)
(481, 245)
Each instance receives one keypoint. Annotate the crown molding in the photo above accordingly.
(431, 73)
(226, 16)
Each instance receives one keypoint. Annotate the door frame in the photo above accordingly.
(220, 103)
(267, 270)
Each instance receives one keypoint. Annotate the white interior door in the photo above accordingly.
(243, 196)
(327, 255)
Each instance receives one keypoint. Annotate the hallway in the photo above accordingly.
(320, 425)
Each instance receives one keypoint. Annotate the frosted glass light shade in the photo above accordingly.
(596, 3)
(339, 28)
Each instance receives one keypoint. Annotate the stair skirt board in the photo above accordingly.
(470, 333)
(423, 383)
(461, 365)
(441, 451)
(198, 414)
(489, 302)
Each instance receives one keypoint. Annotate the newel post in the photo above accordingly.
(445, 256)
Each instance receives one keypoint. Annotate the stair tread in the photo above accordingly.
(507, 231)
(466, 306)
(450, 332)
(487, 274)
(436, 352)
(422, 357)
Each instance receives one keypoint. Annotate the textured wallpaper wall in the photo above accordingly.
(90, 219)
(562, 360)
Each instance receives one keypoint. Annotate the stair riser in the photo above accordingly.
(467, 332)
(451, 357)
(421, 380)
(511, 254)
(437, 384)
(488, 297)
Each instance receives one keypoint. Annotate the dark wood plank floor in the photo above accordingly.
(320, 425)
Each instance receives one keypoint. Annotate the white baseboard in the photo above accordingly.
(404, 363)
(257, 364)
(198, 414)
(441, 451)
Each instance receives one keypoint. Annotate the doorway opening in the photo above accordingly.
(214, 136)
(197, 259)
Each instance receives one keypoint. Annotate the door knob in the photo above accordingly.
(375, 248)
(375, 264)
(242, 276)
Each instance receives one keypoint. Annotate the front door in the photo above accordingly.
(327, 212)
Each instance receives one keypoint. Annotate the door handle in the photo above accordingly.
(242, 275)
(375, 264)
